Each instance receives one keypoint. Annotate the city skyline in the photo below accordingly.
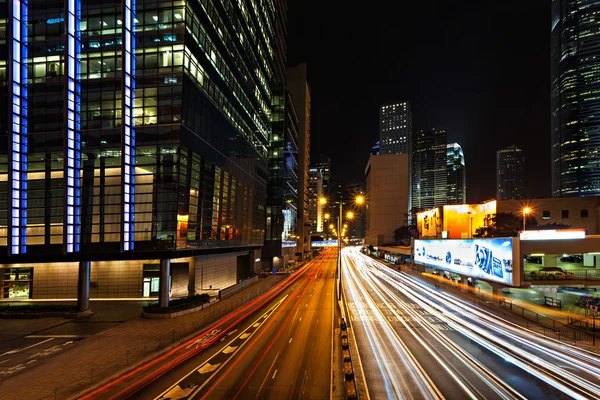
(471, 93)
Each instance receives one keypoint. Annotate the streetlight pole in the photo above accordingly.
(339, 232)
(359, 200)
(526, 212)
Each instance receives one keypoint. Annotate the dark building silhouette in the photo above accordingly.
(510, 171)
(575, 102)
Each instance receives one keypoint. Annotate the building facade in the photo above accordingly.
(323, 164)
(575, 103)
(315, 192)
(461, 221)
(395, 125)
(297, 83)
(429, 169)
(510, 174)
(386, 182)
(457, 174)
(149, 142)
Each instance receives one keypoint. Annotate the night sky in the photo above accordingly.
(479, 69)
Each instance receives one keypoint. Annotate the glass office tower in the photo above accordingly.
(134, 129)
(575, 101)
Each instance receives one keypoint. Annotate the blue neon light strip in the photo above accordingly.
(72, 231)
(18, 155)
(128, 133)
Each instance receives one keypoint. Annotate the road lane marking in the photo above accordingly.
(2, 362)
(300, 319)
(229, 349)
(244, 336)
(56, 336)
(263, 318)
(290, 340)
(208, 367)
(274, 373)
(25, 348)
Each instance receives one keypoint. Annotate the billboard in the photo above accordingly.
(429, 223)
(489, 259)
(553, 234)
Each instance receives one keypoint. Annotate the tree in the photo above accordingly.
(402, 235)
(505, 225)
(555, 225)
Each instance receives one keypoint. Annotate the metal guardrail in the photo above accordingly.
(350, 382)
(578, 274)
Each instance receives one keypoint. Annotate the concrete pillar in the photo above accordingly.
(497, 294)
(192, 277)
(549, 260)
(464, 283)
(83, 286)
(163, 288)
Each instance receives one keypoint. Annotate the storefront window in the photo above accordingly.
(16, 283)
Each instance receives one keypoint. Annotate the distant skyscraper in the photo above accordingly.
(575, 100)
(457, 174)
(297, 84)
(323, 164)
(375, 149)
(510, 168)
(395, 124)
(315, 191)
(429, 176)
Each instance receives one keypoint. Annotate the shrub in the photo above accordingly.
(178, 304)
(34, 308)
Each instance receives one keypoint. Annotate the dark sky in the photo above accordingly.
(479, 69)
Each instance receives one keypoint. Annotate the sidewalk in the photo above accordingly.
(118, 349)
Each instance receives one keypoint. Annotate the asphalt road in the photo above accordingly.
(284, 351)
(415, 342)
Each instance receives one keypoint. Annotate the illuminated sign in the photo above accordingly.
(552, 234)
(288, 244)
(489, 259)
(325, 243)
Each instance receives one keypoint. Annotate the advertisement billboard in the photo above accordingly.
(489, 259)
(429, 223)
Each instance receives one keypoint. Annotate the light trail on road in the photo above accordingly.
(479, 353)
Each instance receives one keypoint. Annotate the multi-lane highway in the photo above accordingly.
(284, 351)
(417, 342)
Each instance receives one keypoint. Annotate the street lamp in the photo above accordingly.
(526, 212)
(471, 223)
(327, 216)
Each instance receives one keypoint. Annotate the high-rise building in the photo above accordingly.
(457, 174)
(386, 182)
(429, 175)
(323, 164)
(375, 149)
(395, 126)
(297, 84)
(315, 192)
(510, 171)
(282, 197)
(575, 102)
(138, 135)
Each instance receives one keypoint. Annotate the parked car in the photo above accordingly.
(551, 273)
(573, 258)
(533, 259)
